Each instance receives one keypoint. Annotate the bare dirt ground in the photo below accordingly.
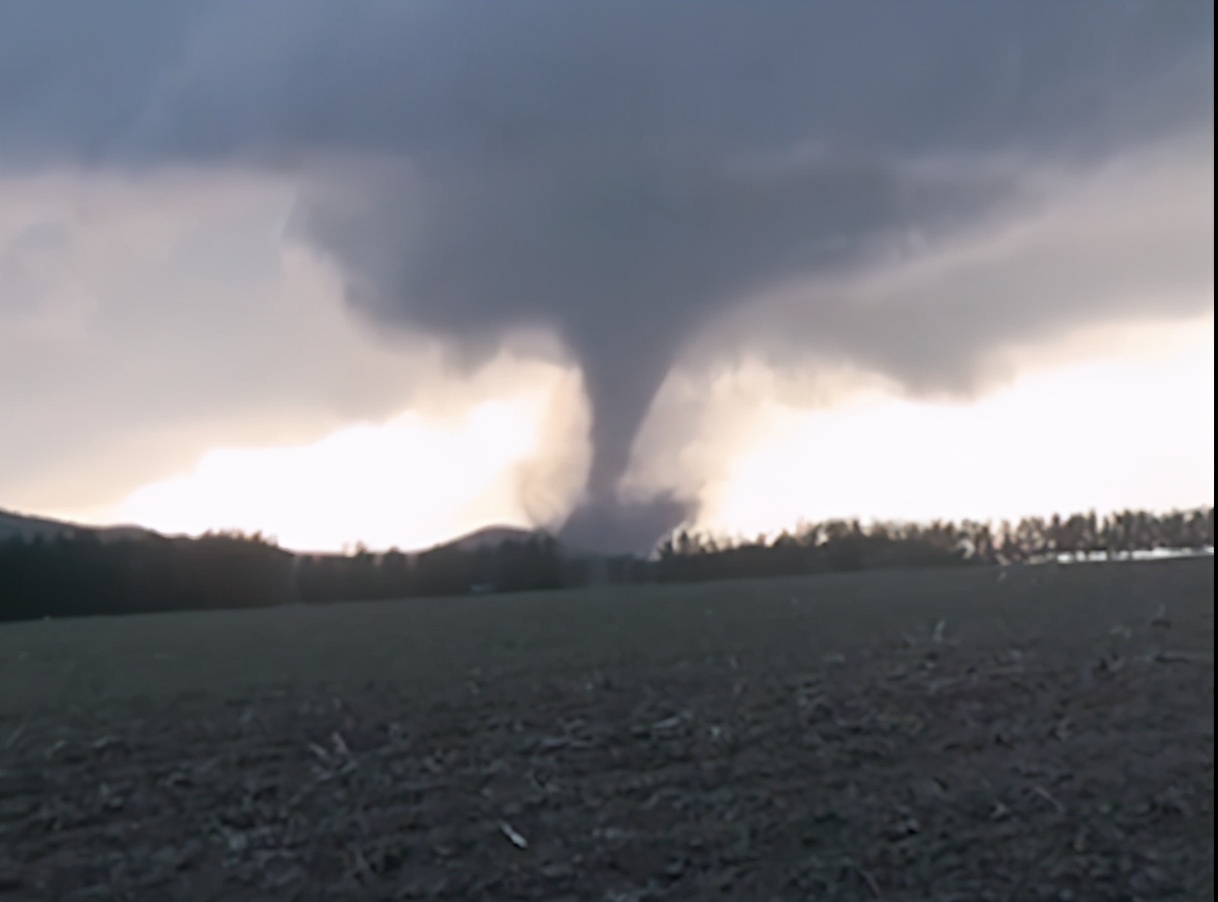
(1047, 734)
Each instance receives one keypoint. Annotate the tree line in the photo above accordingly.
(844, 545)
(79, 574)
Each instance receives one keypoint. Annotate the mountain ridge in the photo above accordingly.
(14, 525)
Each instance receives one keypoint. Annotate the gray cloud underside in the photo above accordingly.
(624, 173)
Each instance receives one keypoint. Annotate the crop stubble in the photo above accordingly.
(1045, 733)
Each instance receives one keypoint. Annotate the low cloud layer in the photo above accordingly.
(818, 180)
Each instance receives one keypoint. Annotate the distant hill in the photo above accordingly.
(22, 526)
(494, 536)
(489, 536)
(486, 537)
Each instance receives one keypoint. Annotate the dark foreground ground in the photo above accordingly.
(1047, 734)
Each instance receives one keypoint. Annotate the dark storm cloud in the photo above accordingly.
(621, 172)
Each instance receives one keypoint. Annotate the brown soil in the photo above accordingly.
(1044, 734)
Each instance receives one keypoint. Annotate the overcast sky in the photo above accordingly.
(363, 234)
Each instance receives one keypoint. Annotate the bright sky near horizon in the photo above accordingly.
(1130, 429)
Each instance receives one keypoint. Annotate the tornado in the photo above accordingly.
(625, 174)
